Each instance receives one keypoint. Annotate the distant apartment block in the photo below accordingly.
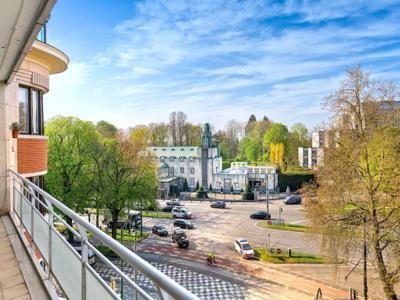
(312, 157)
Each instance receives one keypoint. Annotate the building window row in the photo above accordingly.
(30, 111)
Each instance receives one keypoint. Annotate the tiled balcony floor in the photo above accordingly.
(12, 283)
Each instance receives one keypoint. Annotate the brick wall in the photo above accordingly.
(31, 155)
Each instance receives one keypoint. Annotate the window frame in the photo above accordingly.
(30, 117)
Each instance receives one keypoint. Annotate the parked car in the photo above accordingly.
(181, 212)
(174, 202)
(243, 247)
(167, 208)
(77, 245)
(183, 224)
(218, 204)
(159, 230)
(179, 237)
(261, 214)
(292, 199)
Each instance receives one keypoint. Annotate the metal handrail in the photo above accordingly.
(166, 286)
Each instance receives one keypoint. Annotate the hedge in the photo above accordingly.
(294, 180)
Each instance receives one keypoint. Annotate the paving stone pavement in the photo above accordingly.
(296, 286)
(202, 285)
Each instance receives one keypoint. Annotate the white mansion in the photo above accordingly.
(203, 166)
(195, 164)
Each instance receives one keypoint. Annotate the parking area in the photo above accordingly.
(216, 229)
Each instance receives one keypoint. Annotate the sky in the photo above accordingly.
(134, 62)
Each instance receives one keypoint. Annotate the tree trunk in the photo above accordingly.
(114, 225)
(70, 235)
(97, 217)
(383, 274)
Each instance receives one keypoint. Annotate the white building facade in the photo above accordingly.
(240, 174)
(195, 164)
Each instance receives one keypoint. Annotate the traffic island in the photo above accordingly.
(282, 226)
(278, 256)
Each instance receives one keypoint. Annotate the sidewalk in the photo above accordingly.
(290, 283)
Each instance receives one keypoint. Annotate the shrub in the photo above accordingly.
(248, 194)
(210, 189)
(201, 193)
(197, 186)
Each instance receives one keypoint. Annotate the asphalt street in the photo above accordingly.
(216, 229)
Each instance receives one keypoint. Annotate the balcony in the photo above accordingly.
(67, 272)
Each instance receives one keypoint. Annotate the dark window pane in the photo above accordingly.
(35, 112)
(24, 109)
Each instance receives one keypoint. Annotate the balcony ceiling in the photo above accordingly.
(20, 22)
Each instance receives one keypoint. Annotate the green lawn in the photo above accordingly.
(157, 214)
(288, 227)
(133, 236)
(296, 258)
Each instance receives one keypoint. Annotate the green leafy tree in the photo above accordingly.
(129, 172)
(106, 129)
(298, 137)
(70, 152)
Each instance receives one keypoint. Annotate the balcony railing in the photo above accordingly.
(62, 268)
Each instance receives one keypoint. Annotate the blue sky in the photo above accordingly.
(133, 62)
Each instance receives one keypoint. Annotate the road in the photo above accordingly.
(216, 229)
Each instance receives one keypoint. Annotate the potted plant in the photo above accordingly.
(15, 127)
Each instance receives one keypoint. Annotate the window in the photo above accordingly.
(181, 159)
(162, 159)
(182, 170)
(191, 170)
(30, 111)
(191, 159)
(172, 159)
(171, 171)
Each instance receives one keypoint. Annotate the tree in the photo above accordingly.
(197, 186)
(177, 124)
(277, 134)
(248, 194)
(129, 172)
(298, 137)
(192, 134)
(185, 186)
(210, 189)
(106, 129)
(358, 192)
(234, 131)
(158, 134)
(70, 150)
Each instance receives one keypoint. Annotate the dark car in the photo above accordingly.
(179, 237)
(167, 208)
(159, 230)
(293, 199)
(183, 224)
(174, 202)
(218, 204)
(261, 214)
